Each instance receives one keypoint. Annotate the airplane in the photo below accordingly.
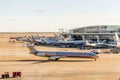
(48, 40)
(94, 44)
(116, 43)
(55, 56)
(115, 47)
(70, 42)
(18, 38)
(104, 43)
(56, 41)
(90, 44)
(31, 39)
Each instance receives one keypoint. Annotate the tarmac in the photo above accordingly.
(15, 57)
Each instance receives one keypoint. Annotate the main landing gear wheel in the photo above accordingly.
(95, 59)
(56, 59)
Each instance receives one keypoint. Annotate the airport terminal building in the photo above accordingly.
(91, 32)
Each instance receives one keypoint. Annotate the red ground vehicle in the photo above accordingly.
(16, 74)
(5, 75)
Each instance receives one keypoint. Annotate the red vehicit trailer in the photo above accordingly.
(16, 74)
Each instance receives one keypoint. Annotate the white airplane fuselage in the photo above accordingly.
(57, 55)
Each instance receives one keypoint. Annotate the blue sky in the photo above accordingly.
(51, 15)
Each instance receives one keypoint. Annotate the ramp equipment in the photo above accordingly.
(5, 75)
(14, 75)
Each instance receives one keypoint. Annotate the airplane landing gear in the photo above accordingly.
(95, 59)
(53, 59)
(56, 59)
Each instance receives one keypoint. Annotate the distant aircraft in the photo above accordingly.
(70, 42)
(18, 38)
(74, 43)
(57, 55)
(48, 40)
(116, 44)
(90, 44)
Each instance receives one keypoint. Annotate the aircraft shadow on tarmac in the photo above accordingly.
(42, 61)
(63, 61)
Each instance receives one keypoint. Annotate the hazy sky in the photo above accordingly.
(51, 15)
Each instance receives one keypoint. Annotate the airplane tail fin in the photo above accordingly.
(117, 39)
(87, 43)
(31, 48)
(83, 38)
(98, 40)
